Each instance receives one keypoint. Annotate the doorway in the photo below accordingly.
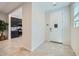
(56, 26)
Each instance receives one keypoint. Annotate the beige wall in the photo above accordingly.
(27, 25)
(74, 33)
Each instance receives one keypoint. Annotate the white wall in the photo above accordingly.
(38, 26)
(74, 33)
(17, 13)
(47, 32)
(66, 26)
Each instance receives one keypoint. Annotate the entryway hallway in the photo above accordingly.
(32, 25)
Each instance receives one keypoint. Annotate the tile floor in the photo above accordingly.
(8, 48)
(53, 49)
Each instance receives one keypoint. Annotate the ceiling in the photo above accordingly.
(49, 6)
(6, 7)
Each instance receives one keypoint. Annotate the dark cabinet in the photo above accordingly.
(16, 27)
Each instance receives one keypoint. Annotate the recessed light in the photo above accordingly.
(54, 3)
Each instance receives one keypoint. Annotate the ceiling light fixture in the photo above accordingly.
(54, 3)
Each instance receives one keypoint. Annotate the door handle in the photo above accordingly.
(51, 29)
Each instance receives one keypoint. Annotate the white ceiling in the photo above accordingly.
(6, 7)
(48, 6)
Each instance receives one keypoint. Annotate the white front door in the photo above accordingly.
(56, 28)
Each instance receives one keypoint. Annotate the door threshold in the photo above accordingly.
(56, 42)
